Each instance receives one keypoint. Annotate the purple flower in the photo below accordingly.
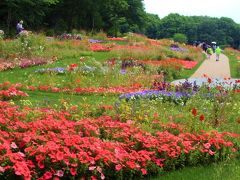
(95, 41)
(123, 71)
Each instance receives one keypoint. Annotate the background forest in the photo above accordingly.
(115, 17)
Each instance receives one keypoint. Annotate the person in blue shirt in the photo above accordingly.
(20, 27)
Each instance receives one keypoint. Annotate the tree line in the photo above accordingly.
(115, 17)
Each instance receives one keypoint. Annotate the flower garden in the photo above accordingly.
(104, 108)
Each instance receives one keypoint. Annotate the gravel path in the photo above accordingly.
(213, 68)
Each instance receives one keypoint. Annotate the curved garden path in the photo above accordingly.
(213, 68)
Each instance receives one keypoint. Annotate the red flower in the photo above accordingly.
(47, 175)
(194, 111)
(93, 178)
(72, 67)
(59, 156)
(73, 171)
(40, 164)
(209, 80)
(201, 118)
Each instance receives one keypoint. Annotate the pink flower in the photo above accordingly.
(21, 154)
(2, 169)
(99, 169)
(13, 145)
(102, 176)
(59, 173)
(118, 167)
(211, 152)
(91, 168)
(207, 145)
(144, 171)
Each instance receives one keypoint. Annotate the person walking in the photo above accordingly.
(20, 27)
(218, 52)
(209, 52)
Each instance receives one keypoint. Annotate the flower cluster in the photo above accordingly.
(177, 97)
(57, 70)
(44, 144)
(8, 92)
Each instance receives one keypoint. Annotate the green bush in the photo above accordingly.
(181, 38)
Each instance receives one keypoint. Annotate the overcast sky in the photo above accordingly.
(213, 8)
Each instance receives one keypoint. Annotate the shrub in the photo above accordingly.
(181, 38)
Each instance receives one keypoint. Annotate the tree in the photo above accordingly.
(31, 11)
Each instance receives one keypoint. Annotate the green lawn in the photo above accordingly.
(234, 66)
(219, 171)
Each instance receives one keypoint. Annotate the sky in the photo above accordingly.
(212, 8)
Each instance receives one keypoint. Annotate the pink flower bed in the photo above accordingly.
(45, 144)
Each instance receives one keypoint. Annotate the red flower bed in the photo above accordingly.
(184, 63)
(44, 144)
(100, 90)
(100, 47)
(116, 39)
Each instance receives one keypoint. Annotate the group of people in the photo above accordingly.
(210, 50)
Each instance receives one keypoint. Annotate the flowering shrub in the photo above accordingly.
(44, 144)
